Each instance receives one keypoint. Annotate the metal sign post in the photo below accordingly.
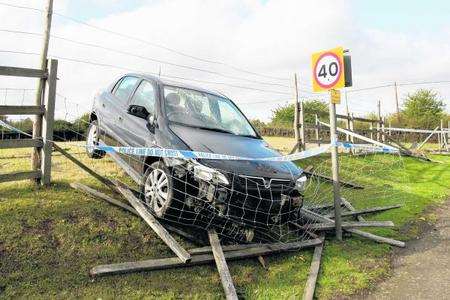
(329, 74)
(335, 171)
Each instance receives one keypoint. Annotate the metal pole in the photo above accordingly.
(296, 115)
(335, 170)
(37, 124)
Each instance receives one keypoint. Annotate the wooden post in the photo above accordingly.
(296, 116)
(302, 143)
(371, 130)
(335, 170)
(352, 127)
(310, 286)
(383, 132)
(379, 121)
(317, 130)
(40, 91)
(222, 267)
(347, 137)
(182, 254)
(48, 119)
(396, 103)
(442, 136)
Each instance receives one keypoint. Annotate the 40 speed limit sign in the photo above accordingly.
(328, 70)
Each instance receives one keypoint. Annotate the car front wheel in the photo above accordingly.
(158, 189)
(92, 141)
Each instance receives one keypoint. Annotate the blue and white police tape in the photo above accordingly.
(186, 154)
(12, 128)
(368, 148)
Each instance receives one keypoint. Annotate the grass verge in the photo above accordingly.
(50, 238)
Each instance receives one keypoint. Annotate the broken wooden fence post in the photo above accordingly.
(310, 286)
(182, 254)
(222, 267)
(319, 218)
(174, 262)
(97, 176)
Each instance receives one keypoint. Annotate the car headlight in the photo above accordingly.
(209, 174)
(300, 184)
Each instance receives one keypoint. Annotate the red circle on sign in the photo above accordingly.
(327, 86)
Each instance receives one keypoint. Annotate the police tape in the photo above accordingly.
(187, 154)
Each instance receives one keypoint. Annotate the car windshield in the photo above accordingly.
(206, 111)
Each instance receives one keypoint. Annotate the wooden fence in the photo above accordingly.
(42, 135)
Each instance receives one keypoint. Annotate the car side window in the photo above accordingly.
(125, 88)
(145, 96)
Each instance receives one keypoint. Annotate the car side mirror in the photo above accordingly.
(138, 111)
(151, 120)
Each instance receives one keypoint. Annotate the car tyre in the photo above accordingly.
(157, 189)
(92, 140)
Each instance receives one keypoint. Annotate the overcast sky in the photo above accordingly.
(403, 41)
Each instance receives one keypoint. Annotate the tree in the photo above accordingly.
(283, 116)
(423, 109)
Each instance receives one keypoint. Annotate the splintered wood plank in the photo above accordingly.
(22, 110)
(371, 236)
(20, 176)
(329, 226)
(310, 286)
(182, 254)
(222, 267)
(22, 72)
(174, 262)
(91, 172)
(26, 143)
(370, 210)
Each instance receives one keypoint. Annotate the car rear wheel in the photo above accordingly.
(158, 189)
(92, 141)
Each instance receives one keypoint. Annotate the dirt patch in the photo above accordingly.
(422, 269)
(2, 249)
(44, 227)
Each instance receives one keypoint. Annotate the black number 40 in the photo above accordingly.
(332, 70)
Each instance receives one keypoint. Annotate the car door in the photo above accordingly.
(139, 132)
(113, 106)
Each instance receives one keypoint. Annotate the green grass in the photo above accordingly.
(50, 238)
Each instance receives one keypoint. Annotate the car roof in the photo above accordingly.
(175, 83)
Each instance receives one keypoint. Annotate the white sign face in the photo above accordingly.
(328, 70)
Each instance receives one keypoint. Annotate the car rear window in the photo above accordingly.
(125, 88)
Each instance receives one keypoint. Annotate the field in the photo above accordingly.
(50, 238)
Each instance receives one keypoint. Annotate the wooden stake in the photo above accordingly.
(97, 176)
(319, 218)
(174, 262)
(310, 286)
(182, 254)
(296, 115)
(37, 124)
(396, 102)
(48, 120)
(222, 267)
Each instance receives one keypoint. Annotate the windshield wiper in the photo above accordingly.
(249, 136)
(205, 128)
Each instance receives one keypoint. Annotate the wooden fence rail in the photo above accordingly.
(45, 112)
